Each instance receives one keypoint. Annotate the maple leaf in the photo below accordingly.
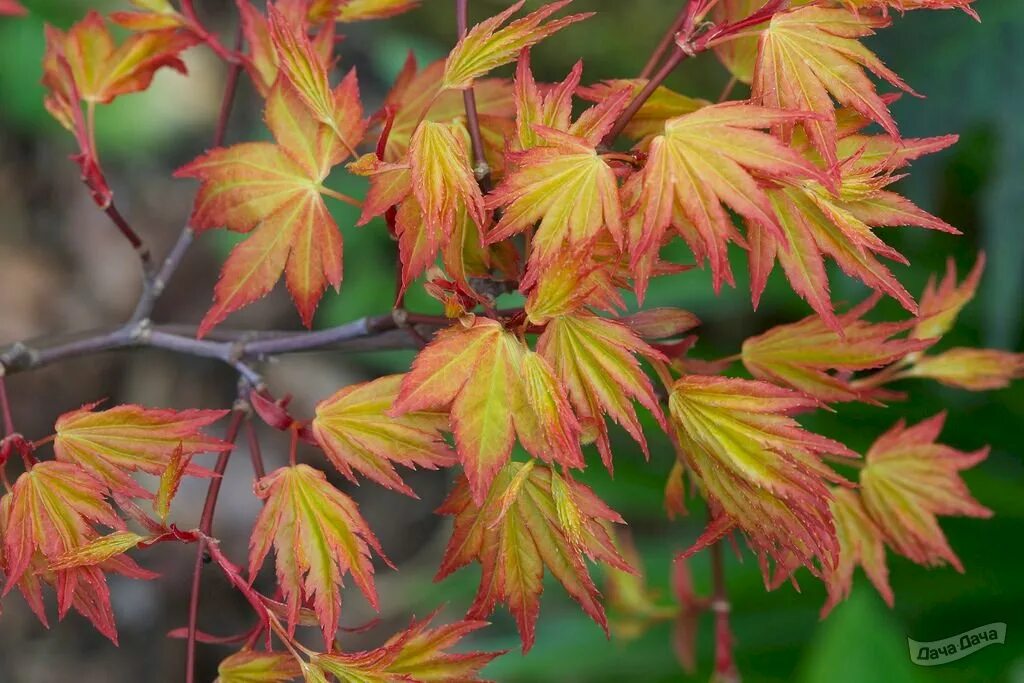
(170, 480)
(151, 15)
(815, 223)
(442, 179)
(49, 513)
(354, 430)
(908, 480)
(318, 535)
(942, 303)
(569, 284)
(552, 108)
(971, 369)
(860, 543)
(739, 54)
(349, 11)
(516, 531)
(248, 666)
(417, 95)
(486, 47)
(98, 550)
(495, 388)
(707, 158)
(102, 70)
(809, 53)
(440, 206)
(112, 444)
(306, 70)
(801, 354)
(663, 105)
(565, 185)
(273, 191)
(759, 468)
(262, 60)
(907, 5)
(415, 655)
(596, 359)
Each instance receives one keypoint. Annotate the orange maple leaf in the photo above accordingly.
(531, 518)
(801, 354)
(942, 302)
(318, 535)
(349, 11)
(496, 388)
(50, 512)
(417, 654)
(861, 542)
(262, 60)
(809, 53)
(273, 191)
(250, 666)
(103, 70)
(596, 359)
(112, 444)
(816, 222)
(908, 480)
(417, 95)
(354, 430)
(486, 47)
(759, 469)
(705, 159)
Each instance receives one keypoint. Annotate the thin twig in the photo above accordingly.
(133, 238)
(627, 115)
(480, 168)
(211, 40)
(666, 42)
(725, 667)
(236, 348)
(154, 284)
(206, 526)
(259, 470)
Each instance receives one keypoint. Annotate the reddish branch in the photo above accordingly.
(725, 666)
(666, 42)
(692, 37)
(133, 238)
(205, 527)
(480, 168)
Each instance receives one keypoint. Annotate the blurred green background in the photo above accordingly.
(973, 77)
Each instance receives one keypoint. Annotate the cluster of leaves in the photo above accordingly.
(491, 185)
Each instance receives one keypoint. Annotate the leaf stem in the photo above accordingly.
(665, 43)
(627, 115)
(211, 40)
(145, 258)
(480, 168)
(340, 197)
(259, 470)
(205, 526)
(725, 666)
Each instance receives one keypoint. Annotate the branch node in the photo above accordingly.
(400, 316)
(141, 331)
